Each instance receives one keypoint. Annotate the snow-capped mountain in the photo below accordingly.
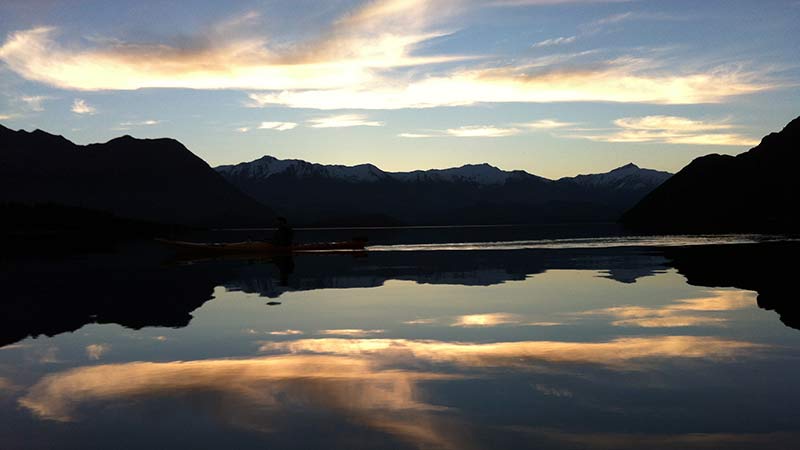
(482, 174)
(320, 194)
(629, 176)
(267, 166)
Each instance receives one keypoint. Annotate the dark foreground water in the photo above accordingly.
(579, 343)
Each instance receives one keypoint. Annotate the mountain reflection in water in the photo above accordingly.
(532, 348)
(137, 290)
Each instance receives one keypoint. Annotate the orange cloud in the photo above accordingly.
(683, 312)
(622, 353)
(486, 320)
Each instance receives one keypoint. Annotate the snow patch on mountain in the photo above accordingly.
(628, 176)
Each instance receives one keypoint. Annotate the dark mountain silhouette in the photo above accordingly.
(472, 194)
(756, 190)
(156, 180)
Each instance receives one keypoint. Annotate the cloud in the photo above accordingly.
(555, 41)
(482, 131)
(344, 121)
(80, 106)
(34, 102)
(6, 116)
(286, 333)
(615, 18)
(546, 124)
(96, 351)
(243, 129)
(619, 354)
(672, 130)
(682, 313)
(365, 59)
(141, 123)
(490, 130)
(677, 124)
(420, 321)
(7, 386)
(600, 25)
(257, 393)
(553, 391)
(479, 131)
(379, 35)
(486, 320)
(416, 135)
(350, 332)
(277, 126)
(48, 355)
(623, 80)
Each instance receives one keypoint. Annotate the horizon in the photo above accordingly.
(631, 163)
(551, 87)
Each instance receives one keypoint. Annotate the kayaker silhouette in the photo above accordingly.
(283, 234)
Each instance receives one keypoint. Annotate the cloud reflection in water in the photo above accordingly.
(254, 392)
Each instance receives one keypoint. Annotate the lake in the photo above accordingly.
(462, 338)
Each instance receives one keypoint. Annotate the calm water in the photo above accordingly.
(636, 343)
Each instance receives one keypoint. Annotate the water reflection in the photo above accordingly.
(618, 354)
(547, 348)
(137, 290)
(681, 313)
(256, 393)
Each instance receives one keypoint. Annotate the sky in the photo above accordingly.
(554, 87)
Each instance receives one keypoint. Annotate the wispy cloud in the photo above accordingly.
(486, 320)
(623, 80)
(671, 130)
(6, 116)
(350, 332)
(546, 124)
(80, 106)
(34, 102)
(344, 121)
(471, 131)
(482, 131)
(602, 25)
(140, 123)
(277, 126)
(620, 353)
(555, 41)
(286, 332)
(682, 313)
(417, 135)
(490, 131)
(96, 351)
(427, 321)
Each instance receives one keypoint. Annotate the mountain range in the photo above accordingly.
(757, 190)
(316, 194)
(161, 181)
(157, 180)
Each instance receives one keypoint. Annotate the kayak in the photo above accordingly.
(260, 247)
